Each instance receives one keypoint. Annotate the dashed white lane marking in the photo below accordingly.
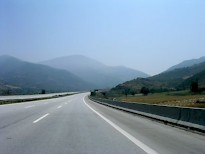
(59, 107)
(40, 118)
(29, 106)
(65, 103)
(141, 145)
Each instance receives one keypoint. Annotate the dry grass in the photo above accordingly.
(171, 100)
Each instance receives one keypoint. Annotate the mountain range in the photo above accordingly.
(94, 72)
(75, 73)
(22, 77)
(72, 73)
(179, 78)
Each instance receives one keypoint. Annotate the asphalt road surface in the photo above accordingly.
(76, 125)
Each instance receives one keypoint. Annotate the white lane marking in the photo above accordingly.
(40, 118)
(59, 107)
(141, 145)
(29, 106)
(65, 103)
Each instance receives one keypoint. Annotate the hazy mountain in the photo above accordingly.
(2, 86)
(187, 63)
(29, 77)
(94, 72)
(176, 79)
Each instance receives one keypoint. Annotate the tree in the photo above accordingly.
(133, 92)
(144, 91)
(104, 93)
(43, 91)
(194, 86)
(7, 92)
(92, 93)
(127, 91)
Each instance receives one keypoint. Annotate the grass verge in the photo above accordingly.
(197, 101)
(174, 98)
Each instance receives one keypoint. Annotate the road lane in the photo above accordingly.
(162, 138)
(13, 113)
(75, 128)
(123, 132)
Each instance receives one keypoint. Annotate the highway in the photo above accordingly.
(76, 125)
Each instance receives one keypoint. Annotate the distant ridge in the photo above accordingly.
(187, 63)
(29, 78)
(92, 71)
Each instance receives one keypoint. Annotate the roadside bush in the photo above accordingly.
(144, 91)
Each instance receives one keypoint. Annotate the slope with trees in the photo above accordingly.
(178, 79)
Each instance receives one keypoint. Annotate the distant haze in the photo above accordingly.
(146, 35)
(94, 72)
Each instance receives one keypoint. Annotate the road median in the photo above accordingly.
(12, 101)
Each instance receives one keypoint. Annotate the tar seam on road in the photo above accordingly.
(29, 106)
(70, 100)
(59, 107)
(40, 118)
(141, 145)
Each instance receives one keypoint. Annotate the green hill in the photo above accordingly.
(173, 78)
(200, 77)
(178, 79)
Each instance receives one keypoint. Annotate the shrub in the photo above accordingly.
(144, 91)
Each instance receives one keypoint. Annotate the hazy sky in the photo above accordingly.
(148, 35)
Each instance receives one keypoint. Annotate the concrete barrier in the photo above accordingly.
(192, 118)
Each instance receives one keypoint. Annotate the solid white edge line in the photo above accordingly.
(40, 118)
(141, 145)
